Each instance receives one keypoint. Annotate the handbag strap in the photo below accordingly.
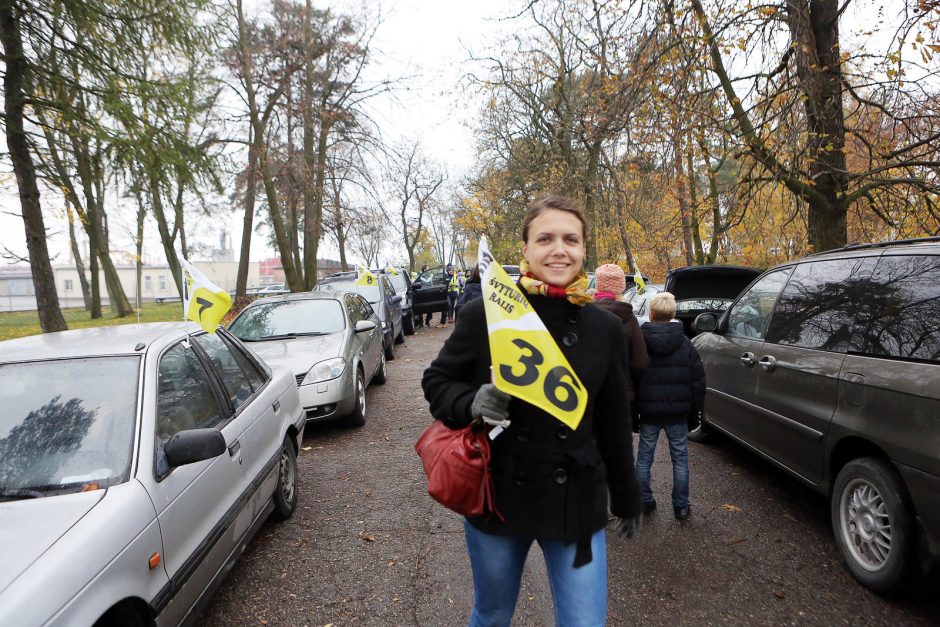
(489, 501)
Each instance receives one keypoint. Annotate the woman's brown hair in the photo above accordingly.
(556, 202)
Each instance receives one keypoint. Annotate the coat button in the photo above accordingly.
(575, 317)
(562, 432)
(560, 476)
(522, 434)
(520, 478)
(569, 339)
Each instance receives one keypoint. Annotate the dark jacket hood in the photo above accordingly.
(662, 339)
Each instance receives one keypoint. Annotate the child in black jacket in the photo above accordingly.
(670, 394)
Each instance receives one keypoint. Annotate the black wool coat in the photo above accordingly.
(673, 386)
(637, 357)
(550, 482)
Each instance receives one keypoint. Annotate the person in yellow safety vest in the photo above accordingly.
(453, 291)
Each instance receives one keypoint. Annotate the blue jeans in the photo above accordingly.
(678, 436)
(579, 594)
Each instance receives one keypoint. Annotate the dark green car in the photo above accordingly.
(829, 367)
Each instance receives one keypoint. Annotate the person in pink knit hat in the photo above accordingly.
(610, 284)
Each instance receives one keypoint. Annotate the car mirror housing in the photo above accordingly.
(364, 325)
(705, 322)
(194, 445)
(416, 285)
(396, 299)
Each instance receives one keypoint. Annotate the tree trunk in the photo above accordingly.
(681, 193)
(95, 280)
(814, 28)
(717, 224)
(166, 238)
(47, 301)
(697, 251)
(77, 257)
(138, 259)
(241, 282)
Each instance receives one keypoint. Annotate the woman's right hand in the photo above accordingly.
(490, 403)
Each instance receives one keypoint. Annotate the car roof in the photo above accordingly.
(121, 339)
(295, 296)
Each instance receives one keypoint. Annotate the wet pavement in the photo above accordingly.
(367, 545)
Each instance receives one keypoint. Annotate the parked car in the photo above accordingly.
(402, 284)
(641, 302)
(382, 298)
(512, 271)
(274, 288)
(706, 288)
(829, 367)
(429, 292)
(136, 462)
(330, 341)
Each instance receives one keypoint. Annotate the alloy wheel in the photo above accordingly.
(866, 524)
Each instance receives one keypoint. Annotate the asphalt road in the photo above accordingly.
(368, 546)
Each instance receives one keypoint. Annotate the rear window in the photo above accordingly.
(66, 424)
(899, 314)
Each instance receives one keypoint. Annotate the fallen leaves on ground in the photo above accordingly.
(728, 507)
(779, 594)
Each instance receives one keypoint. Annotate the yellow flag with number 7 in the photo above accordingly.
(527, 362)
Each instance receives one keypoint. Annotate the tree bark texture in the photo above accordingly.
(47, 301)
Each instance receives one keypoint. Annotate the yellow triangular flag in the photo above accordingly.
(364, 276)
(203, 302)
(527, 362)
(391, 270)
(638, 279)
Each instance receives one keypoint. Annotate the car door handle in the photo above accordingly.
(767, 363)
(233, 448)
(276, 405)
(747, 359)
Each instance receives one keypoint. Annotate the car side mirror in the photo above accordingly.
(193, 445)
(364, 325)
(416, 285)
(705, 322)
(396, 299)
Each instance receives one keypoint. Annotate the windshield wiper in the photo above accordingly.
(12, 494)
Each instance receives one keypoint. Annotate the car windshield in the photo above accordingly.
(67, 425)
(289, 318)
(369, 292)
(398, 282)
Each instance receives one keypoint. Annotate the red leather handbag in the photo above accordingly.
(456, 462)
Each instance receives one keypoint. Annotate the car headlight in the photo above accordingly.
(325, 370)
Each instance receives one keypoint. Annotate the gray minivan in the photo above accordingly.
(829, 367)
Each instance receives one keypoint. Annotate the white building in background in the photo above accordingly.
(156, 281)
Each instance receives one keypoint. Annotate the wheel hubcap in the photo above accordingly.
(287, 477)
(866, 524)
(362, 394)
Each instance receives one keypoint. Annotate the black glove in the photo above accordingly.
(627, 526)
(490, 403)
(695, 420)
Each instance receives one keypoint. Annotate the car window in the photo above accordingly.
(389, 290)
(250, 367)
(367, 311)
(236, 383)
(353, 309)
(398, 282)
(749, 316)
(817, 307)
(899, 316)
(432, 277)
(309, 316)
(370, 292)
(185, 399)
(67, 424)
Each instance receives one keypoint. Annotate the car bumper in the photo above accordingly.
(336, 397)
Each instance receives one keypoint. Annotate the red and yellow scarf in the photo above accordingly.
(575, 292)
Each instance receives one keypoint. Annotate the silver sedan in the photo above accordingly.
(136, 462)
(330, 341)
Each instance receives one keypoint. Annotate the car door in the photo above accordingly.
(394, 307)
(798, 366)
(196, 504)
(367, 344)
(730, 358)
(258, 407)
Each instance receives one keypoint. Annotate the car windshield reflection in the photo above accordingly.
(289, 319)
(369, 292)
(67, 425)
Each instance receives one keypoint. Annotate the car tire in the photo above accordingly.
(285, 492)
(357, 417)
(381, 375)
(874, 524)
(698, 434)
(400, 338)
(390, 351)
(408, 323)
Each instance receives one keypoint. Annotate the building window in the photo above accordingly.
(68, 284)
(148, 283)
(162, 282)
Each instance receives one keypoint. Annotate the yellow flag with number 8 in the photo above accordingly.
(527, 362)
